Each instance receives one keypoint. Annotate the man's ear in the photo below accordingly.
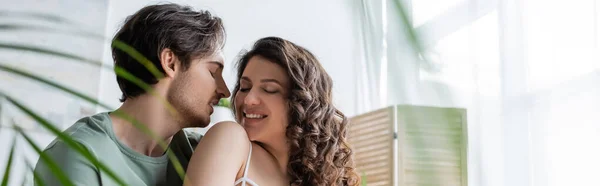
(168, 61)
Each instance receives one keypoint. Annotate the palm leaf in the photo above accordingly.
(116, 43)
(64, 180)
(1, 113)
(19, 27)
(138, 57)
(118, 70)
(177, 165)
(6, 177)
(40, 50)
(50, 83)
(38, 16)
(140, 83)
(170, 154)
(70, 142)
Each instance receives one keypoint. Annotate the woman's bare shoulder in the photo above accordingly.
(228, 128)
(219, 155)
(230, 136)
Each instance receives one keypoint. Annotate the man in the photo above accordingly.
(186, 47)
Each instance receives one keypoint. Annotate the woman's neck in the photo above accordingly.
(280, 151)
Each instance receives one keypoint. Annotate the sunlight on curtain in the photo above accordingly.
(470, 67)
(560, 38)
(527, 72)
(370, 25)
(425, 10)
(563, 66)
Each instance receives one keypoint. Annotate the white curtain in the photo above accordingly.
(370, 24)
(527, 71)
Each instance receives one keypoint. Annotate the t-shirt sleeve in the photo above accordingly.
(74, 165)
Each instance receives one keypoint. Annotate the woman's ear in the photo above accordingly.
(168, 61)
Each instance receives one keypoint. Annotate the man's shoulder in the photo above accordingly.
(87, 131)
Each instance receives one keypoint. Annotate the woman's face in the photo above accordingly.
(261, 101)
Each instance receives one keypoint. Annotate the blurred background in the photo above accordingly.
(521, 76)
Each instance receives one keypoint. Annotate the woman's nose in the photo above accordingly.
(252, 98)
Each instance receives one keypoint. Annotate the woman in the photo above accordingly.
(289, 131)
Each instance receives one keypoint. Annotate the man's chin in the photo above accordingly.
(199, 123)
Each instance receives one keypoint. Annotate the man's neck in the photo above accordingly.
(149, 113)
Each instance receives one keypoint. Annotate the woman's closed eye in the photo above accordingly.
(267, 90)
(270, 91)
(242, 89)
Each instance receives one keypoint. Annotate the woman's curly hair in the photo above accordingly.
(319, 153)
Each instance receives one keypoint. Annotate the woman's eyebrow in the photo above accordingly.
(270, 80)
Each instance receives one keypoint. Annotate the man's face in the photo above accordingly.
(195, 91)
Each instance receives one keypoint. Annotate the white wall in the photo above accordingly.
(326, 28)
(60, 108)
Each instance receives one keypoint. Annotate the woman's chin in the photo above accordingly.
(251, 134)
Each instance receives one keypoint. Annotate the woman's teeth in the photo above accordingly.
(254, 116)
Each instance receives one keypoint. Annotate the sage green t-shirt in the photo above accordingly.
(95, 133)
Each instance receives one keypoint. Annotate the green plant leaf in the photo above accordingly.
(170, 154)
(69, 141)
(176, 164)
(40, 50)
(139, 57)
(224, 102)
(38, 16)
(118, 44)
(64, 180)
(137, 81)
(120, 72)
(363, 180)
(6, 177)
(1, 113)
(19, 27)
(50, 83)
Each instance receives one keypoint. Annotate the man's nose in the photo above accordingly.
(222, 89)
